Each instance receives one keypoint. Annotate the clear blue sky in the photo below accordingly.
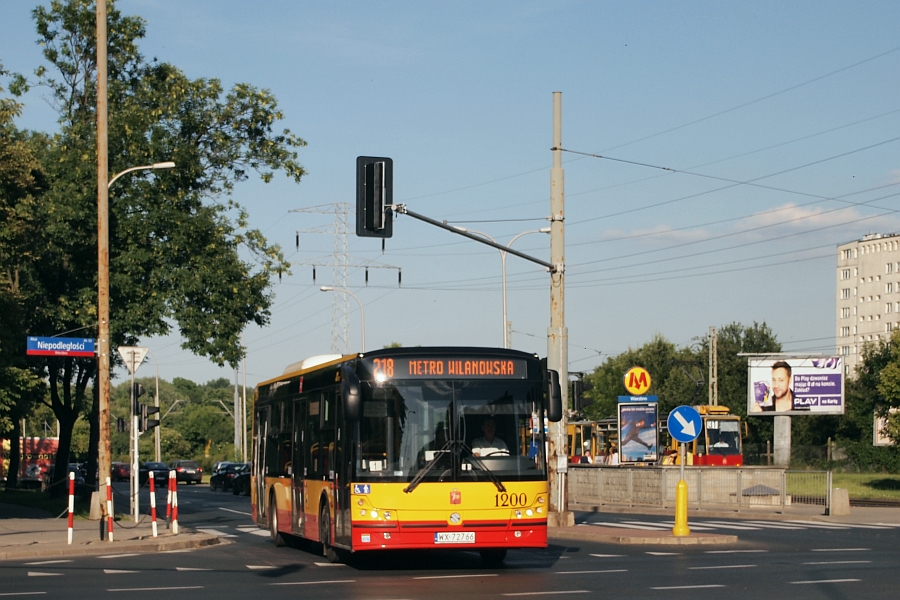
(800, 98)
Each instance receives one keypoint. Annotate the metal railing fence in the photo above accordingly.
(736, 488)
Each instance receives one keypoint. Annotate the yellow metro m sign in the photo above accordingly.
(637, 381)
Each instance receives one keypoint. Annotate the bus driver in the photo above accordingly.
(488, 444)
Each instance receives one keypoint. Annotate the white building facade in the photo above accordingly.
(868, 294)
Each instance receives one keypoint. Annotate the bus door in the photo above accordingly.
(259, 463)
(297, 464)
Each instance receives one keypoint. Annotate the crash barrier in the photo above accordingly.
(708, 487)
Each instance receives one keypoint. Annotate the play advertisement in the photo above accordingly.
(638, 427)
(795, 385)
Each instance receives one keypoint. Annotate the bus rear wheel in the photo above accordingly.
(492, 557)
(277, 538)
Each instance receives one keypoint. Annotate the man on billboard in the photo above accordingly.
(782, 398)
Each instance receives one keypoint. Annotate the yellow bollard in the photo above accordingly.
(681, 528)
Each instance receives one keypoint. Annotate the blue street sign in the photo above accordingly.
(638, 398)
(55, 346)
(684, 424)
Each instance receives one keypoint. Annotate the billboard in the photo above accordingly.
(796, 385)
(638, 433)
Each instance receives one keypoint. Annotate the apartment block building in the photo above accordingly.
(868, 293)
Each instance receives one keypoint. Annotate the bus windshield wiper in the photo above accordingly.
(475, 460)
(424, 470)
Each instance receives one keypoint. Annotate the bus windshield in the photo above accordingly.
(724, 436)
(451, 430)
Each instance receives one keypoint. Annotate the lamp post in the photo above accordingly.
(507, 342)
(362, 312)
(105, 449)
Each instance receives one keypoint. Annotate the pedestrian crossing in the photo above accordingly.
(748, 525)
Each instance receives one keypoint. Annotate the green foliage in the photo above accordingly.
(864, 457)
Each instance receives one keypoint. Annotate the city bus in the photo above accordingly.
(406, 448)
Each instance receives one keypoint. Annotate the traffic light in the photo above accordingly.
(145, 421)
(374, 196)
(137, 390)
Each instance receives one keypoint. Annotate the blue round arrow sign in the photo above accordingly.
(684, 424)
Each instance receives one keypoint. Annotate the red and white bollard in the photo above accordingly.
(174, 505)
(153, 503)
(110, 515)
(71, 503)
(169, 501)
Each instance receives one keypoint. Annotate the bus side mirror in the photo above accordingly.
(554, 397)
(350, 394)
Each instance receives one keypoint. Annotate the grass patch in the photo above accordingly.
(43, 501)
(868, 486)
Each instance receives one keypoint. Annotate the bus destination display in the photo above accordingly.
(446, 368)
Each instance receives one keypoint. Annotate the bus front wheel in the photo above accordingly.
(328, 550)
(277, 538)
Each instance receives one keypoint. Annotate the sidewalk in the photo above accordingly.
(32, 533)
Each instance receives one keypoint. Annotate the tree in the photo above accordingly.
(176, 238)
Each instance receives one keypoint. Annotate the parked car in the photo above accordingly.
(120, 471)
(81, 488)
(187, 470)
(240, 485)
(160, 472)
(225, 477)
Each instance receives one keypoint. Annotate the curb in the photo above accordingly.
(611, 535)
(99, 548)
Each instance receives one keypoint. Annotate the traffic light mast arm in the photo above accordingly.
(401, 209)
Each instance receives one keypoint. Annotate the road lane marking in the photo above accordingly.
(314, 582)
(719, 525)
(548, 593)
(769, 525)
(239, 512)
(117, 571)
(825, 581)
(216, 532)
(669, 524)
(723, 567)
(839, 562)
(840, 550)
(323, 564)
(117, 555)
(42, 574)
(688, 587)
(842, 525)
(47, 562)
(624, 526)
(818, 525)
(259, 567)
(156, 589)
(457, 576)
(608, 555)
(663, 553)
(22, 593)
(735, 551)
(583, 572)
(191, 569)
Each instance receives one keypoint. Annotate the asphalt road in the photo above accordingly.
(773, 559)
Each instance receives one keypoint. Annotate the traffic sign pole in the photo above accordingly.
(685, 425)
(681, 528)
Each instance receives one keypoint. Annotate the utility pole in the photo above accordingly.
(102, 380)
(557, 334)
(237, 419)
(713, 368)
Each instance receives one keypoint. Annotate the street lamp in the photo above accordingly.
(362, 312)
(105, 449)
(506, 341)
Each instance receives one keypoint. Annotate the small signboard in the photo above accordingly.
(56, 346)
(638, 398)
(684, 424)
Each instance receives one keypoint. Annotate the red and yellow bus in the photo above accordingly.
(391, 450)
